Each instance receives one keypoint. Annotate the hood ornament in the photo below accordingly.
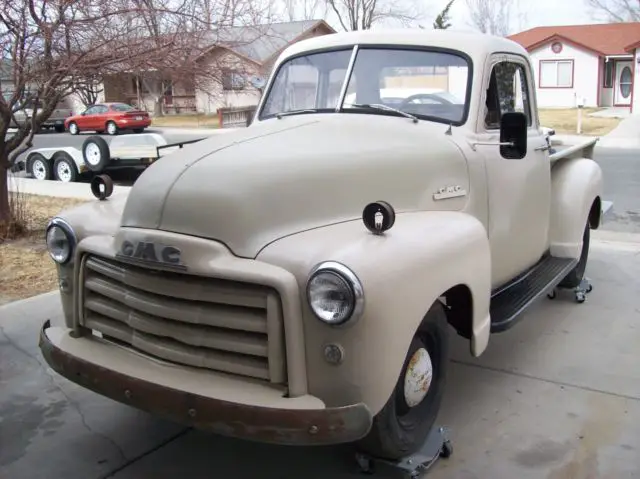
(378, 217)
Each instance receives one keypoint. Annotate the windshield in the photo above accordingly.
(427, 84)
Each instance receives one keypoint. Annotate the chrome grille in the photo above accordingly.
(198, 321)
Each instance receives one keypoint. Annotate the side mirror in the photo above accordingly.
(513, 136)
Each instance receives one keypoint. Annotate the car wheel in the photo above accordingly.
(574, 277)
(59, 128)
(95, 153)
(73, 128)
(112, 128)
(64, 168)
(403, 424)
(39, 167)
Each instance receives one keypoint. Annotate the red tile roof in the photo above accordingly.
(602, 38)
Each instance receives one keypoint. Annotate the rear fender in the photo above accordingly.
(576, 188)
(403, 272)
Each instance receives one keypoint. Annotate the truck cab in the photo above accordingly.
(296, 281)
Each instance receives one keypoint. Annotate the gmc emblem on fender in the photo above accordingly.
(148, 252)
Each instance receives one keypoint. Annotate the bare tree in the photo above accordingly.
(50, 47)
(88, 89)
(615, 11)
(305, 9)
(491, 16)
(363, 14)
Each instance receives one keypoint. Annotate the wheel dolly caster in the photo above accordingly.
(581, 291)
(437, 445)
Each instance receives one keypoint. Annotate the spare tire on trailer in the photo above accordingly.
(95, 153)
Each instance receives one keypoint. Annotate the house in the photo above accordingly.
(239, 55)
(597, 64)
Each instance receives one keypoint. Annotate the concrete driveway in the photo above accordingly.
(556, 397)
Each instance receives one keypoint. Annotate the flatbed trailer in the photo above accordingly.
(97, 156)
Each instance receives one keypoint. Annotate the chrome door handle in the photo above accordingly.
(543, 148)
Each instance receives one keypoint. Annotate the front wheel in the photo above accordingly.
(403, 424)
(73, 128)
(112, 128)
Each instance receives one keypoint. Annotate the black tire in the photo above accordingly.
(399, 430)
(574, 278)
(73, 128)
(62, 161)
(59, 128)
(138, 130)
(111, 128)
(98, 156)
(39, 167)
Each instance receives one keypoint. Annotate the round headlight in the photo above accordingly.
(60, 241)
(334, 293)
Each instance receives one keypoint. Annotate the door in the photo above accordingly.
(84, 121)
(518, 190)
(100, 117)
(623, 85)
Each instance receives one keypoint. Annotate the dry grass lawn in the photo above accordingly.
(187, 121)
(565, 121)
(26, 268)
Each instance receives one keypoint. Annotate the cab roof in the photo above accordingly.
(476, 45)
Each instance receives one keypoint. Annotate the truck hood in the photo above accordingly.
(250, 187)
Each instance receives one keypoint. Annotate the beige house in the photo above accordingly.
(232, 64)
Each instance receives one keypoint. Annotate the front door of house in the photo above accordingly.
(623, 85)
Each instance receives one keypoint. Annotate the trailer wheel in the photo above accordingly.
(403, 424)
(64, 168)
(95, 153)
(39, 167)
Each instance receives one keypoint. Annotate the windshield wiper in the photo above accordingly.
(377, 106)
(296, 112)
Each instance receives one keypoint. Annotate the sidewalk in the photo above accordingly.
(59, 189)
(625, 135)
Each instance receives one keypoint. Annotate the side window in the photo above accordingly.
(90, 111)
(508, 92)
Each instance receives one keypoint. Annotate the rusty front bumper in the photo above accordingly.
(263, 424)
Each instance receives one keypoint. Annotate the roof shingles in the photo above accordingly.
(602, 38)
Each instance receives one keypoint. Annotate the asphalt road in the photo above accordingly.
(621, 170)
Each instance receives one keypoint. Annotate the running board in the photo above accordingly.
(508, 304)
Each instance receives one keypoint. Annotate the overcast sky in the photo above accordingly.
(538, 13)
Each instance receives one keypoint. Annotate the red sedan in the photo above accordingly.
(109, 117)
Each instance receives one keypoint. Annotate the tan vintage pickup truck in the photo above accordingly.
(296, 281)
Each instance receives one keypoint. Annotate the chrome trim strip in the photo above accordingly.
(345, 83)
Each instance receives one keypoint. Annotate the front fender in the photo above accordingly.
(575, 185)
(403, 272)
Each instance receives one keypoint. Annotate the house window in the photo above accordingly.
(607, 81)
(556, 73)
(232, 80)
